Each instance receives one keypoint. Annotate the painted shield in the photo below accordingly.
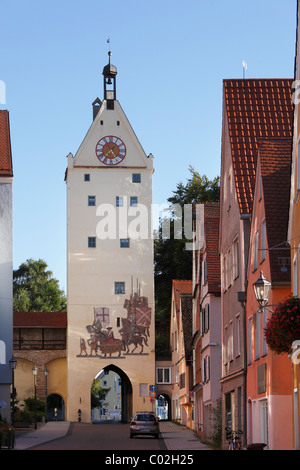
(102, 314)
(143, 316)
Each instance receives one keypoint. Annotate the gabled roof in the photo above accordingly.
(275, 163)
(256, 109)
(5, 146)
(187, 326)
(211, 234)
(180, 287)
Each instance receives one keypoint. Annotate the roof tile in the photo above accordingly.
(256, 109)
(5, 146)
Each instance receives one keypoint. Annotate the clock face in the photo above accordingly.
(110, 150)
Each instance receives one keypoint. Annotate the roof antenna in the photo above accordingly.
(244, 68)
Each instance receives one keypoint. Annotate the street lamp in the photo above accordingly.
(13, 365)
(262, 289)
(46, 372)
(35, 371)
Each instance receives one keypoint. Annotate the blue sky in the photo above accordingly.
(171, 58)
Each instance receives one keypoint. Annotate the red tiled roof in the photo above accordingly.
(40, 319)
(275, 163)
(187, 324)
(5, 147)
(211, 233)
(180, 287)
(256, 109)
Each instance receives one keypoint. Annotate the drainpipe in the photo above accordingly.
(242, 297)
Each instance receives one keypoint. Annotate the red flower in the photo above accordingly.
(283, 326)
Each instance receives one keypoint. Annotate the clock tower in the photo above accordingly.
(110, 286)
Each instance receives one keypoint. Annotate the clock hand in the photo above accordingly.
(110, 151)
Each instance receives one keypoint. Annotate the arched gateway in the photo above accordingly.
(114, 395)
(110, 260)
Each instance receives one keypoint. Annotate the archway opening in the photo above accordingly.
(163, 407)
(55, 408)
(111, 396)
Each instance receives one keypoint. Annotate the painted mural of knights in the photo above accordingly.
(135, 329)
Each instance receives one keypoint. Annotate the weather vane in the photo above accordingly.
(108, 42)
(244, 68)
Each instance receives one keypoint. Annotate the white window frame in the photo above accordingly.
(257, 334)
(295, 275)
(238, 334)
(163, 372)
(264, 342)
(250, 328)
(263, 241)
(255, 250)
(235, 259)
(230, 341)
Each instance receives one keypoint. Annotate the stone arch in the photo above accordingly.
(163, 411)
(126, 391)
(55, 407)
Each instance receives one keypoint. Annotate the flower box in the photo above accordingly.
(283, 327)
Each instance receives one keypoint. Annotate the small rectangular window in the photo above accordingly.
(255, 254)
(119, 201)
(91, 200)
(119, 287)
(124, 243)
(87, 177)
(136, 177)
(92, 242)
(263, 241)
(133, 201)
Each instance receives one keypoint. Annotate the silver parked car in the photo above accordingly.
(144, 422)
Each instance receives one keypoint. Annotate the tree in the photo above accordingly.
(35, 290)
(98, 395)
(171, 259)
(197, 189)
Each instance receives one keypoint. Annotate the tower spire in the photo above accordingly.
(109, 80)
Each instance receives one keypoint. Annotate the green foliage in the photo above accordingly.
(27, 414)
(162, 344)
(35, 290)
(171, 259)
(216, 418)
(98, 394)
(197, 189)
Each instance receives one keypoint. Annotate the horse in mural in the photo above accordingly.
(103, 340)
(133, 334)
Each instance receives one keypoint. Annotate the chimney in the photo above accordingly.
(96, 106)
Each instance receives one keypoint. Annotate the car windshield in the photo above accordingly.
(145, 417)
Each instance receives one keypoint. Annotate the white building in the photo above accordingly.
(110, 259)
(6, 265)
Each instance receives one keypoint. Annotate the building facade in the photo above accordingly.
(181, 348)
(206, 319)
(6, 265)
(110, 260)
(269, 375)
(252, 110)
(294, 229)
